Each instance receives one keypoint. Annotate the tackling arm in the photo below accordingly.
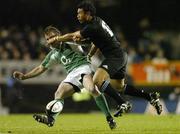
(76, 36)
(33, 73)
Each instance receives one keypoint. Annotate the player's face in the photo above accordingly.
(81, 15)
(50, 35)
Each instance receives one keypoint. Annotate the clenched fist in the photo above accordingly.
(18, 75)
(76, 39)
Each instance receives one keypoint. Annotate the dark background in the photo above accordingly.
(163, 14)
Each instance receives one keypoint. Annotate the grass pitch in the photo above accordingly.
(92, 124)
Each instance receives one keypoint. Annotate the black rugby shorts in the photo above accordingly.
(116, 67)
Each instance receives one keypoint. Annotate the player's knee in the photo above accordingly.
(94, 92)
(118, 84)
(99, 77)
(121, 86)
(97, 82)
(58, 94)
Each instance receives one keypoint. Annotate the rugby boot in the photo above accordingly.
(49, 121)
(123, 108)
(155, 101)
(111, 122)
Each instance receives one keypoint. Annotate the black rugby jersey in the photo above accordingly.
(102, 36)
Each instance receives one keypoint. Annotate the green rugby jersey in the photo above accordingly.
(66, 56)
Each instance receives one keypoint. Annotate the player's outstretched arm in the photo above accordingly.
(66, 37)
(33, 73)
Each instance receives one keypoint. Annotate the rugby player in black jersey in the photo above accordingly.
(110, 74)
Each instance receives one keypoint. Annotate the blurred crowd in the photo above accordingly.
(155, 45)
(28, 44)
(21, 43)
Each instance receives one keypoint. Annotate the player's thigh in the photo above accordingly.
(76, 76)
(118, 84)
(89, 84)
(100, 76)
(115, 66)
(64, 90)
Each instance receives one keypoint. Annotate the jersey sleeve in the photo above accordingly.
(86, 31)
(48, 61)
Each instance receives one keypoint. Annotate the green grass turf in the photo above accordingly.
(94, 123)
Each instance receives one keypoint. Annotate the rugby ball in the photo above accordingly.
(54, 107)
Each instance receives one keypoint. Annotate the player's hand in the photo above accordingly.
(18, 75)
(76, 39)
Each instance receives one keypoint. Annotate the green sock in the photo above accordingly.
(102, 104)
(54, 115)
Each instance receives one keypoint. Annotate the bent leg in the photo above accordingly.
(129, 89)
(64, 90)
(99, 99)
(101, 79)
(89, 85)
(153, 98)
(118, 84)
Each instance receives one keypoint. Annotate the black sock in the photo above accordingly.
(132, 91)
(106, 88)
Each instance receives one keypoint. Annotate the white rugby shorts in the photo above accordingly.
(75, 75)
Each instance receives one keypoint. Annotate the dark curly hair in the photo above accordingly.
(87, 6)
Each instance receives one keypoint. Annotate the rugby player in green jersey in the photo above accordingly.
(79, 76)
